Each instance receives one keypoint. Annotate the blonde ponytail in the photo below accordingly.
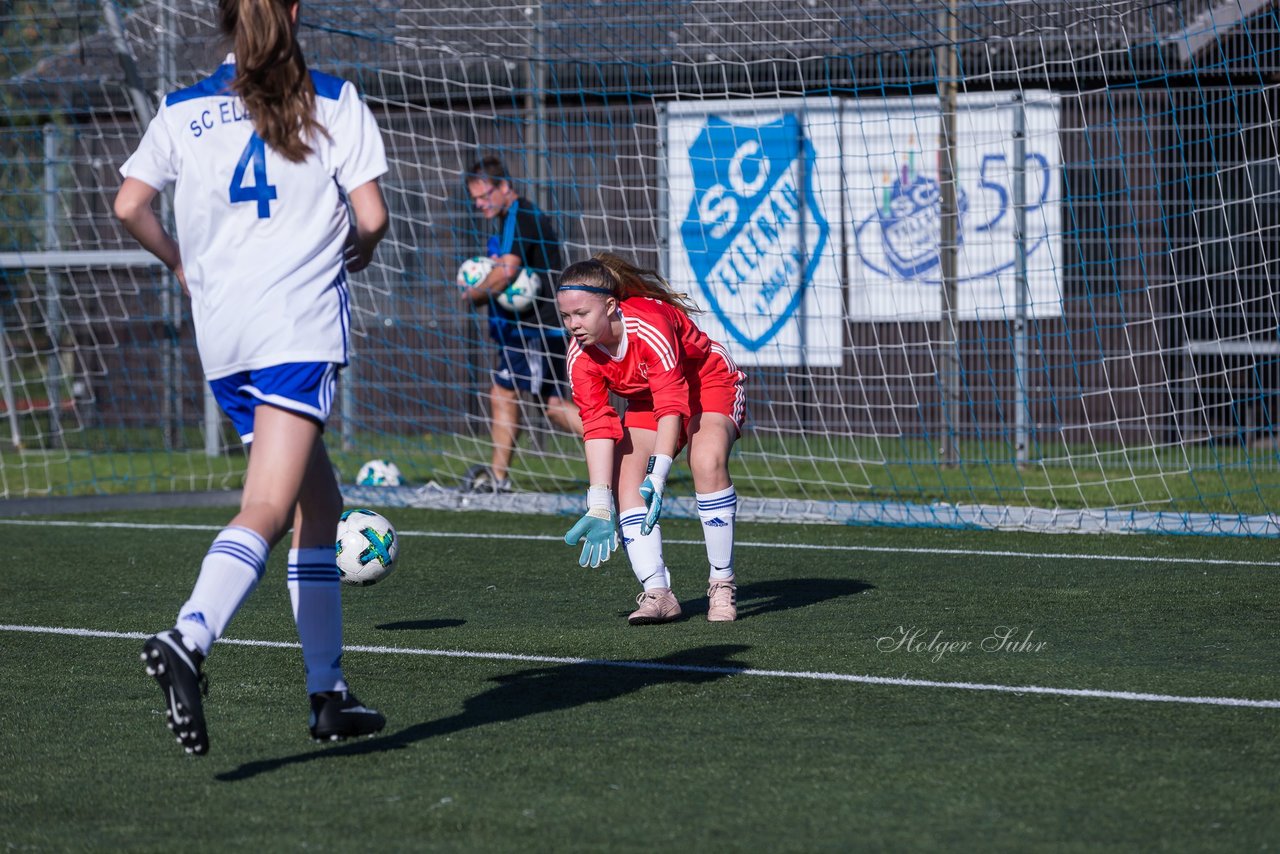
(271, 74)
(622, 279)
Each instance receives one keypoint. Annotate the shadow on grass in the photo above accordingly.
(762, 597)
(407, 625)
(533, 692)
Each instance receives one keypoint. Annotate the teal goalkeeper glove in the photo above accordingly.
(655, 482)
(597, 530)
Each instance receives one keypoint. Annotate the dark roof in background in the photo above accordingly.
(422, 49)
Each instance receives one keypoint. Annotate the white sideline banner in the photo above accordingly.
(754, 225)
(891, 155)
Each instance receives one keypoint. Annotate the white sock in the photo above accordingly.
(316, 594)
(645, 553)
(716, 510)
(231, 569)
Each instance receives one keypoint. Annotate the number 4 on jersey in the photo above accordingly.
(261, 192)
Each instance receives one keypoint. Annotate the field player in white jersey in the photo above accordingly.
(266, 158)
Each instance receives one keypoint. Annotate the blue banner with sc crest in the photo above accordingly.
(752, 230)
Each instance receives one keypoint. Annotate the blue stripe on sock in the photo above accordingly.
(718, 503)
(322, 569)
(632, 520)
(235, 551)
(243, 552)
(310, 578)
(248, 532)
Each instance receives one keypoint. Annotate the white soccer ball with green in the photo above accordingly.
(379, 473)
(519, 294)
(367, 547)
(473, 271)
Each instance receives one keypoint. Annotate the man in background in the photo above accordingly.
(531, 345)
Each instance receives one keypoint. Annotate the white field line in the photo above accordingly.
(1131, 696)
(1156, 559)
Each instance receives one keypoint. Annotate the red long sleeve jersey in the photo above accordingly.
(661, 355)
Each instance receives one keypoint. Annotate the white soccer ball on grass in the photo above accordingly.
(379, 473)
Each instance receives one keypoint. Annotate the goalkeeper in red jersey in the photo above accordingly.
(633, 336)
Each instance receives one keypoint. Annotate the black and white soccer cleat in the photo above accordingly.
(337, 715)
(176, 668)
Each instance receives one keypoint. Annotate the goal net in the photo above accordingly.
(985, 264)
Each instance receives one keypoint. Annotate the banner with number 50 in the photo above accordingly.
(893, 206)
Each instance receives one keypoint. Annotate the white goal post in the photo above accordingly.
(985, 264)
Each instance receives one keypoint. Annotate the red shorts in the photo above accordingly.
(717, 387)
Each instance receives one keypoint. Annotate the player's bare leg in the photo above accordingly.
(283, 444)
